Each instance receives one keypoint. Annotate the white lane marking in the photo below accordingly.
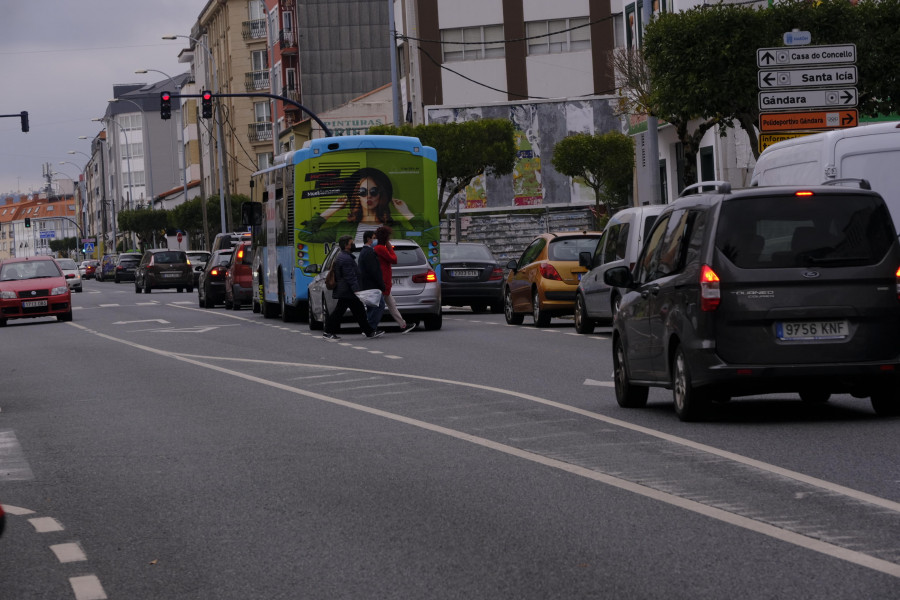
(87, 587)
(393, 357)
(16, 510)
(46, 524)
(611, 384)
(107, 305)
(70, 552)
(160, 321)
(13, 464)
(790, 537)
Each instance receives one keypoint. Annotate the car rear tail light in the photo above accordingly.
(496, 274)
(427, 277)
(214, 272)
(709, 289)
(803, 193)
(548, 271)
(897, 275)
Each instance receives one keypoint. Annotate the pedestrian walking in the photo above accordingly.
(387, 257)
(371, 278)
(347, 284)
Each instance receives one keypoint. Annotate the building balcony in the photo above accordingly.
(254, 30)
(287, 40)
(287, 5)
(292, 93)
(260, 131)
(256, 81)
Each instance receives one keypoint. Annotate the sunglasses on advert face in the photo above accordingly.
(372, 191)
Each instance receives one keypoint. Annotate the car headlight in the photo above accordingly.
(8, 295)
(59, 291)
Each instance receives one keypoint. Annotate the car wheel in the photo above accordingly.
(146, 287)
(269, 310)
(314, 323)
(690, 402)
(2, 322)
(815, 396)
(228, 303)
(886, 401)
(137, 288)
(627, 394)
(433, 322)
(512, 317)
(200, 299)
(116, 279)
(64, 317)
(497, 308)
(582, 323)
(179, 289)
(541, 318)
(189, 289)
(614, 305)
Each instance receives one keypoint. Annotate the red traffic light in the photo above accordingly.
(206, 104)
(207, 95)
(166, 96)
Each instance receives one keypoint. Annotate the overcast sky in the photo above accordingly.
(59, 60)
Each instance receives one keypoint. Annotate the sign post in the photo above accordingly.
(805, 89)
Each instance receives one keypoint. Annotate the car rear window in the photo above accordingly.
(169, 257)
(781, 232)
(569, 248)
(451, 252)
(407, 257)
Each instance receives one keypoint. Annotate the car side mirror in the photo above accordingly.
(512, 265)
(586, 260)
(619, 277)
(312, 269)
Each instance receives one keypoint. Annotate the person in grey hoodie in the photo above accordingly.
(347, 284)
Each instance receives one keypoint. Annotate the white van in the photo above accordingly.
(870, 152)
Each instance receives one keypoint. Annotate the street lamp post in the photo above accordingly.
(221, 139)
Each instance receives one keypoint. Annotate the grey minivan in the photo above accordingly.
(595, 301)
(760, 291)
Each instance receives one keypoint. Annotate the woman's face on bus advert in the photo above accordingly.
(369, 194)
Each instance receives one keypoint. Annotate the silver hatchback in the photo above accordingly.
(415, 288)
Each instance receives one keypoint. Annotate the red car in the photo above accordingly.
(88, 267)
(33, 287)
(239, 279)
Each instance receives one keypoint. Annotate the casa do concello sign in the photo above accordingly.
(805, 89)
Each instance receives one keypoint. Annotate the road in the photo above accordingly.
(153, 449)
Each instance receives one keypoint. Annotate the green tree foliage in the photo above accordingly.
(604, 162)
(464, 151)
(187, 217)
(64, 246)
(144, 222)
(702, 61)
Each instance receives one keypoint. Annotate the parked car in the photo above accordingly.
(125, 266)
(471, 276)
(88, 267)
(161, 268)
(623, 236)
(33, 287)
(198, 260)
(239, 278)
(107, 267)
(415, 288)
(211, 287)
(759, 291)
(226, 241)
(71, 272)
(544, 280)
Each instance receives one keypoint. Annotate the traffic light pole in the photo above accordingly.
(22, 115)
(263, 95)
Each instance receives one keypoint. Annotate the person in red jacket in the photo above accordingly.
(387, 257)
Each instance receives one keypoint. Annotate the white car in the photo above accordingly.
(72, 273)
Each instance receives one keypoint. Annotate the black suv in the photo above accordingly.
(763, 290)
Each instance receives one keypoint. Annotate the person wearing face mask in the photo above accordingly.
(347, 284)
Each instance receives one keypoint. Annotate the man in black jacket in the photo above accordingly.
(370, 277)
(347, 279)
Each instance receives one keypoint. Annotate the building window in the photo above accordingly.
(264, 160)
(558, 36)
(473, 43)
(131, 150)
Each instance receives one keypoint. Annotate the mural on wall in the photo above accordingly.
(539, 126)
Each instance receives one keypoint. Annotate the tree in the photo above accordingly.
(145, 222)
(188, 216)
(464, 151)
(702, 62)
(604, 162)
(64, 245)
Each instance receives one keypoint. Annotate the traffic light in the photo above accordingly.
(27, 221)
(206, 104)
(24, 116)
(165, 105)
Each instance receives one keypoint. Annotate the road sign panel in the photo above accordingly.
(48, 234)
(88, 247)
(836, 119)
(832, 98)
(806, 55)
(797, 38)
(811, 77)
(767, 139)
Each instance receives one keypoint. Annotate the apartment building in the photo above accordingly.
(51, 218)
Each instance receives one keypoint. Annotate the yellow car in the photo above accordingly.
(544, 280)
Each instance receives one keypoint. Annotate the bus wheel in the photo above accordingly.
(269, 310)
